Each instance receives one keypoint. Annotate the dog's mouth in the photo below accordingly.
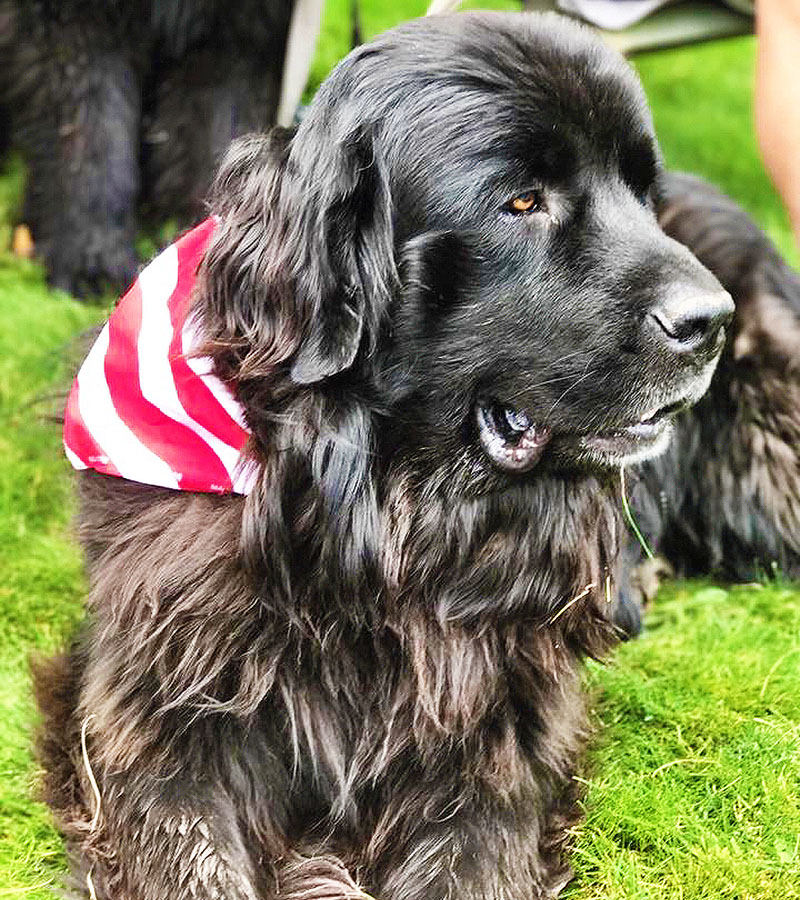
(515, 443)
(635, 441)
(509, 438)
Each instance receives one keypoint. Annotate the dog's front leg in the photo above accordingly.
(314, 875)
(477, 848)
(173, 839)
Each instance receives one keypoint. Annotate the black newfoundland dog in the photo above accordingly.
(450, 315)
(123, 107)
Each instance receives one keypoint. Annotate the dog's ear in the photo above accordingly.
(302, 268)
(349, 272)
(298, 278)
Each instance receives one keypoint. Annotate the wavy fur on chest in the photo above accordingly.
(358, 711)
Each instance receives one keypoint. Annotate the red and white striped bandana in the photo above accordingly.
(142, 407)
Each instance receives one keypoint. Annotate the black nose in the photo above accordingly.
(689, 321)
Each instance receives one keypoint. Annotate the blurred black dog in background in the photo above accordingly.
(127, 105)
(725, 497)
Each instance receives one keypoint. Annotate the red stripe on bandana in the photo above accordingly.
(79, 442)
(192, 390)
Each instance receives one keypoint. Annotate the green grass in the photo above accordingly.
(702, 106)
(40, 573)
(374, 17)
(694, 775)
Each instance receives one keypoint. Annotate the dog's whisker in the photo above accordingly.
(571, 387)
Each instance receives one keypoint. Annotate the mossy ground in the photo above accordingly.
(694, 775)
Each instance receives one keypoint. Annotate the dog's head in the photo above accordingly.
(459, 244)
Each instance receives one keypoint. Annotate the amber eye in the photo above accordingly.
(529, 202)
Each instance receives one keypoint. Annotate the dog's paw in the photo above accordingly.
(89, 265)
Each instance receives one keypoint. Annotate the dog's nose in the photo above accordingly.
(689, 321)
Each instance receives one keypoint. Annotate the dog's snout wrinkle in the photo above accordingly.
(688, 321)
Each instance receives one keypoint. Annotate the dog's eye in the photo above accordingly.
(524, 204)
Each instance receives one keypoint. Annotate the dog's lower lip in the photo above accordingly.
(641, 430)
(635, 437)
(654, 418)
(628, 441)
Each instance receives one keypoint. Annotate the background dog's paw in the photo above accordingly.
(646, 578)
(89, 265)
(637, 590)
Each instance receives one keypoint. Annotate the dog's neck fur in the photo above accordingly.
(470, 601)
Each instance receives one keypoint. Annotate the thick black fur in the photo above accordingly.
(122, 106)
(725, 498)
(364, 676)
